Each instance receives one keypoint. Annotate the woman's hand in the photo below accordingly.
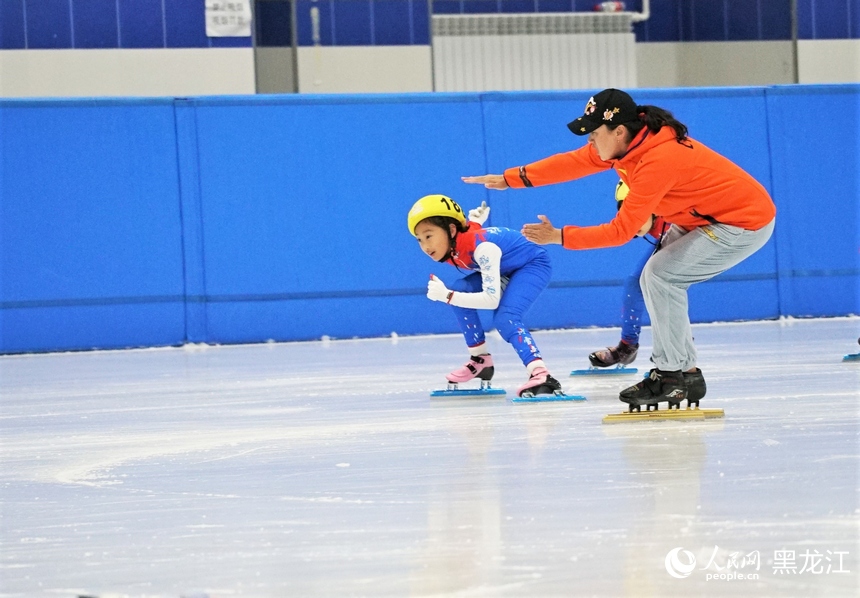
(542, 234)
(490, 181)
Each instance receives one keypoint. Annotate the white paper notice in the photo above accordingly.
(228, 18)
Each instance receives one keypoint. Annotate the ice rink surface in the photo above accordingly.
(325, 469)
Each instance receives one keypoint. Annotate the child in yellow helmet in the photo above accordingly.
(508, 273)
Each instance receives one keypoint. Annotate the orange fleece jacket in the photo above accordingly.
(686, 183)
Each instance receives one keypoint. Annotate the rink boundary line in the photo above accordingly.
(394, 337)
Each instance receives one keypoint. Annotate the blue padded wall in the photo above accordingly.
(242, 219)
(303, 202)
(817, 196)
(90, 225)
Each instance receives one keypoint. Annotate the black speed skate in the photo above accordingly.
(623, 354)
(696, 387)
(659, 386)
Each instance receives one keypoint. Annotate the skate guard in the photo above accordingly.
(682, 414)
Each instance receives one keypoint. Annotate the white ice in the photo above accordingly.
(325, 469)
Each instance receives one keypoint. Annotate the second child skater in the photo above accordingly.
(508, 274)
(633, 304)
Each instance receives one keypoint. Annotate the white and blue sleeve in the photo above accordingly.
(488, 256)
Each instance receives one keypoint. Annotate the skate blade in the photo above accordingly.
(594, 371)
(852, 357)
(542, 398)
(469, 392)
(631, 416)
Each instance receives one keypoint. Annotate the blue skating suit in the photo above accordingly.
(528, 269)
(633, 305)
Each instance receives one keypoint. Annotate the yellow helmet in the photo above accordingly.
(621, 191)
(434, 205)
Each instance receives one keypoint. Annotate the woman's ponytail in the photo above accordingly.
(655, 118)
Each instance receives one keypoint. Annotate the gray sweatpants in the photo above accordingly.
(685, 258)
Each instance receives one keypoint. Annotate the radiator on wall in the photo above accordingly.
(506, 52)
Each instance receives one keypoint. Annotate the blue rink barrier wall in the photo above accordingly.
(146, 222)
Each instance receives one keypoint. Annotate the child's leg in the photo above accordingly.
(480, 365)
(467, 319)
(632, 309)
(524, 287)
(633, 305)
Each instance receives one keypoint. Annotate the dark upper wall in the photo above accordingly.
(62, 24)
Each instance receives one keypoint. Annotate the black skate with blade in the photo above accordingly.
(623, 354)
(696, 387)
(659, 386)
(650, 392)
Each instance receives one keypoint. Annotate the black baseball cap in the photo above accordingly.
(609, 107)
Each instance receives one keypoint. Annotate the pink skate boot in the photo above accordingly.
(540, 382)
(478, 366)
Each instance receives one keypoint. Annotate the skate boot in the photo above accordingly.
(478, 366)
(659, 386)
(539, 383)
(696, 387)
(623, 354)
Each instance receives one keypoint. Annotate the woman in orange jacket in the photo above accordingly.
(720, 215)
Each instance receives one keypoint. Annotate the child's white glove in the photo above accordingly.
(480, 214)
(437, 291)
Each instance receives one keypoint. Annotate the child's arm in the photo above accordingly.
(488, 256)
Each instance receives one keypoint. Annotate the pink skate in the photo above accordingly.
(540, 382)
(478, 366)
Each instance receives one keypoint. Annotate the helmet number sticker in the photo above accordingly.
(452, 206)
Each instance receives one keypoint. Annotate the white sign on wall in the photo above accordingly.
(228, 18)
